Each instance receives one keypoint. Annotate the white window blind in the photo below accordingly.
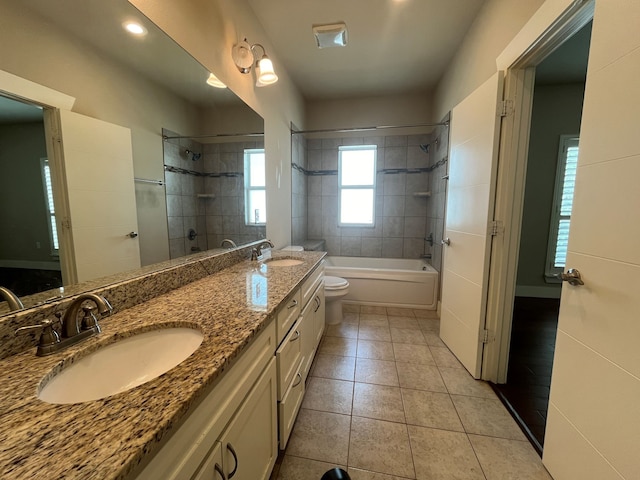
(357, 184)
(562, 204)
(255, 187)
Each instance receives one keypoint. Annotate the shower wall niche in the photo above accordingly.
(204, 185)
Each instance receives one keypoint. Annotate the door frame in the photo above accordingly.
(512, 168)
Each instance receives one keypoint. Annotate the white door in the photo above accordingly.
(97, 167)
(470, 200)
(593, 421)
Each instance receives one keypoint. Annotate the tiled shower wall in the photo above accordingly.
(212, 206)
(401, 216)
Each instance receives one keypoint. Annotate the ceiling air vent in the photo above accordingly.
(333, 35)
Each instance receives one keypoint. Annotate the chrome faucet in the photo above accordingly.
(12, 299)
(256, 252)
(230, 242)
(72, 330)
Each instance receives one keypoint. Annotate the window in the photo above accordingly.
(51, 213)
(562, 203)
(356, 185)
(255, 196)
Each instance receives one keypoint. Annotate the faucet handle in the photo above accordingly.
(49, 334)
(89, 320)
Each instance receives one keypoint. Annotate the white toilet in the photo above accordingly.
(335, 288)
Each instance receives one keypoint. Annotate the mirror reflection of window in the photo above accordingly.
(254, 187)
(48, 195)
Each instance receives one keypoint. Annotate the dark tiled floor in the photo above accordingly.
(533, 339)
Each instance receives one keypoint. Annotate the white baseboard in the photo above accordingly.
(538, 292)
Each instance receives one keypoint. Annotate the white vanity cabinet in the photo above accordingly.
(233, 427)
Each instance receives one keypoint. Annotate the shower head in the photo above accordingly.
(194, 156)
(425, 147)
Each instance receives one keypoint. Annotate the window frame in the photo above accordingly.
(551, 270)
(248, 188)
(363, 186)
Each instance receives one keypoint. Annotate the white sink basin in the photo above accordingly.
(284, 262)
(122, 365)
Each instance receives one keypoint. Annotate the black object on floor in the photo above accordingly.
(533, 339)
(336, 474)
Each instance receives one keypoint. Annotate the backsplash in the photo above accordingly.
(130, 291)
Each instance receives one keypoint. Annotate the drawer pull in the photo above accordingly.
(295, 384)
(294, 303)
(296, 337)
(219, 471)
(317, 300)
(235, 458)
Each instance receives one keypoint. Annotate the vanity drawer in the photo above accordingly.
(287, 315)
(289, 406)
(311, 284)
(288, 357)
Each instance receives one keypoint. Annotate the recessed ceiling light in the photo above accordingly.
(333, 35)
(135, 28)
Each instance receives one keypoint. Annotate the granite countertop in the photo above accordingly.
(108, 438)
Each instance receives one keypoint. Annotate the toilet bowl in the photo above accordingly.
(335, 288)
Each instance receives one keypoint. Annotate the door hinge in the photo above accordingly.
(506, 108)
(487, 337)
(66, 223)
(496, 227)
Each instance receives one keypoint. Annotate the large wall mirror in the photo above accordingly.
(191, 146)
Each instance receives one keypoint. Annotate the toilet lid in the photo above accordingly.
(331, 283)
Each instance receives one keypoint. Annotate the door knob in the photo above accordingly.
(132, 234)
(572, 276)
(446, 242)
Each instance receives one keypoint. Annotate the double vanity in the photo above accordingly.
(222, 412)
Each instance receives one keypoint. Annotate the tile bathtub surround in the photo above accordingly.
(59, 441)
(414, 412)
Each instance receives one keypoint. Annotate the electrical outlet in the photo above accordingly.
(38, 245)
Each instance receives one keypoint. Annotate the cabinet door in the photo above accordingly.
(250, 443)
(319, 312)
(211, 468)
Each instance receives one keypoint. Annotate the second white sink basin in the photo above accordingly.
(122, 365)
(284, 262)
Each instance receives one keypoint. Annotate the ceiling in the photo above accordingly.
(394, 46)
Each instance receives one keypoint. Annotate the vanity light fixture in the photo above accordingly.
(135, 28)
(215, 81)
(244, 56)
(332, 35)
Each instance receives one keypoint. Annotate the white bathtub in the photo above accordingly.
(387, 281)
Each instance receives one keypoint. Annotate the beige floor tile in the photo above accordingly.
(345, 330)
(381, 447)
(380, 334)
(332, 366)
(378, 401)
(351, 318)
(400, 312)
(358, 474)
(459, 382)
(338, 346)
(411, 353)
(373, 320)
(297, 468)
(373, 309)
(486, 416)
(421, 313)
(420, 377)
(350, 308)
(328, 395)
(508, 459)
(443, 455)
(375, 350)
(433, 339)
(444, 357)
(379, 372)
(430, 409)
(320, 436)
(403, 335)
(429, 324)
(403, 322)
